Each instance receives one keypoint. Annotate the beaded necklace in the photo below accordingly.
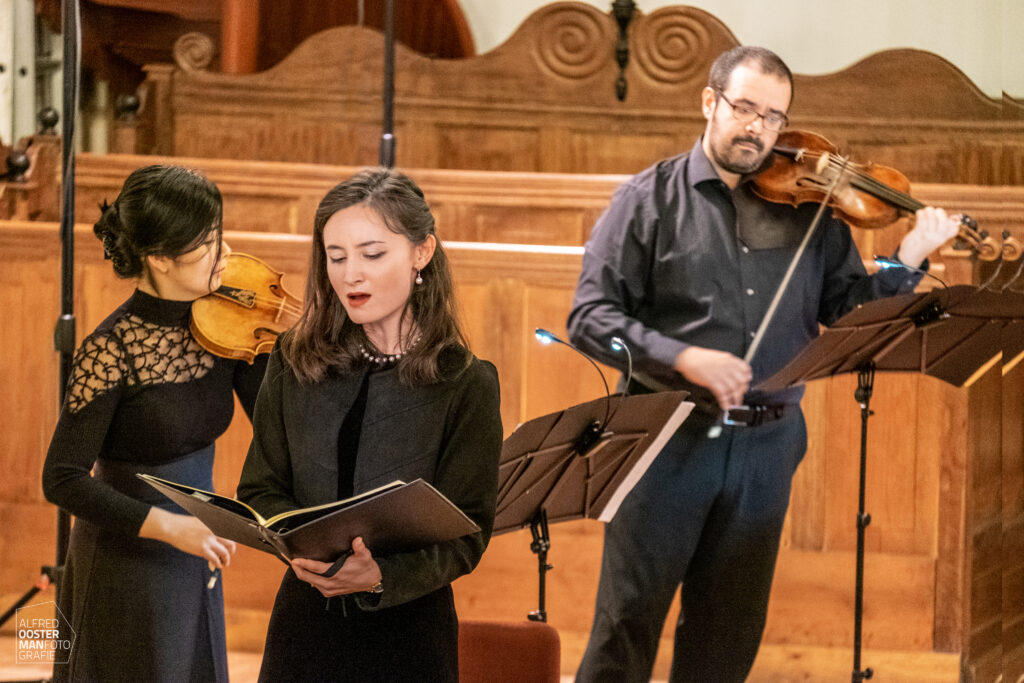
(382, 359)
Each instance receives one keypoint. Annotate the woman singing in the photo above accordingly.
(140, 585)
(375, 383)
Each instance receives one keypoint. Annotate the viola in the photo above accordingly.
(244, 316)
(869, 196)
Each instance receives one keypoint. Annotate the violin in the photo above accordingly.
(869, 196)
(244, 316)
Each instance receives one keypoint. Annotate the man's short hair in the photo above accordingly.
(766, 60)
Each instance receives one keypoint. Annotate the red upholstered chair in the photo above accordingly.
(508, 652)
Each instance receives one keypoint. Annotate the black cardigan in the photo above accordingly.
(448, 434)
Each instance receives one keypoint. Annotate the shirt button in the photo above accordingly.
(752, 334)
(745, 249)
(750, 292)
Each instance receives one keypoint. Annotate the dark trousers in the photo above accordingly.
(708, 515)
(313, 640)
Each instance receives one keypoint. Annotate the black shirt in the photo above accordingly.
(142, 390)
(679, 259)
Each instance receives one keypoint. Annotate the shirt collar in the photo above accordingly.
(701, 169)
(159, 311)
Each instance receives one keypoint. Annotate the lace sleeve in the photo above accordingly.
(98, 368)
(94, 391)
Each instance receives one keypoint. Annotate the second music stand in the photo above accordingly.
(954, 334)
(566, 465)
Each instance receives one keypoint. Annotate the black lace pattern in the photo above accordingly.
(135, 353)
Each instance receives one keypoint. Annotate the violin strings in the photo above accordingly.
(871, 185)
(278, 305)
(881, 190)
(900, 199)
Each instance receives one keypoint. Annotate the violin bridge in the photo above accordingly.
(823, 163)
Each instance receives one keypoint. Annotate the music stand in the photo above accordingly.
(567, 465)
(954, 334)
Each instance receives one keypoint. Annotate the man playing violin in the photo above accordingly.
(683, 266)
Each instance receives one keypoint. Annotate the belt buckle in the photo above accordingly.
(734, 423)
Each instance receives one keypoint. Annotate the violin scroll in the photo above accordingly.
(978, 241)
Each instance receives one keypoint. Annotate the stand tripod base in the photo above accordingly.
(48, 575)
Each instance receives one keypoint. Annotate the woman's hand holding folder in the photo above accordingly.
(358, 572)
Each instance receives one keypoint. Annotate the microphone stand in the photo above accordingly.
(387, 138)
(64, 332)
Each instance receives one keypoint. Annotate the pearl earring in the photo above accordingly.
(419, 278)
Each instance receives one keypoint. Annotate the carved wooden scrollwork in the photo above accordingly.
(671, 45)
(574, 43)
(193, 51)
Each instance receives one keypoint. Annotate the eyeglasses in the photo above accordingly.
(771, 121)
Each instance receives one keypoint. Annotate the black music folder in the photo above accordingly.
(396, 517)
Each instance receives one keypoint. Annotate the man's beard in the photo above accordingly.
(735, 160)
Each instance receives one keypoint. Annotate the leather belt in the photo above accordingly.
(752, 416)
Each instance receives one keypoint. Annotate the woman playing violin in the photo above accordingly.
(140, 588)
(683, 266)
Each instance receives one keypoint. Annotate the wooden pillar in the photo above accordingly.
(239, 35)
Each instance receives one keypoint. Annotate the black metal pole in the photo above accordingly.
(387, 138)
(540, 546)
(64, 334)
(865, 386)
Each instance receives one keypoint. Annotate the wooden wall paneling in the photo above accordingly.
(1012, 542)
(612, 150)
(950, 448)
(536, 208)
(812, 600)
(984, 605)
(805, 524)
(545, 101)
(496, 337)
(513, 149)
(902, 477)
(913, 589)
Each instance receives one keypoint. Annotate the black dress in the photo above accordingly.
(143, 397)
(350, 433)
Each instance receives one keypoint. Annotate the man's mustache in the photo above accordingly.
(754, 141)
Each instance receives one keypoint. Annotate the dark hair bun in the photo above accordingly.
(160, 211)
(116, 246)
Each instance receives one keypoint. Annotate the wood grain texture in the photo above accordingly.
(545, 101)
(506, 207)
(943, 568)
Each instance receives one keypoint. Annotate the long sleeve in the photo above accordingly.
(266, 481)
(847, 284)
(467, 473)
(94, 389)
(611, 287)
(247, 381)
